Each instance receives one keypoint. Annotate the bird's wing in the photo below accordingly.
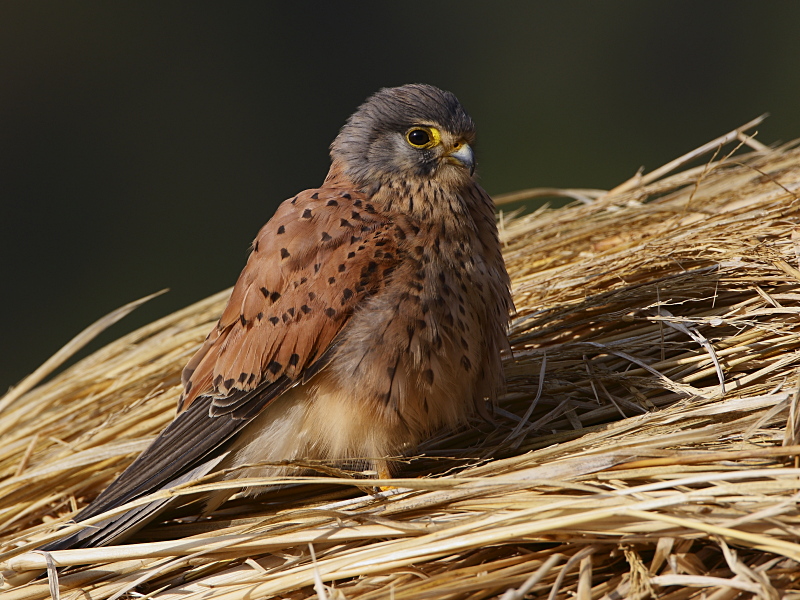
(322, 253)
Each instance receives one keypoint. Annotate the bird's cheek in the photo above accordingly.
(428, 168)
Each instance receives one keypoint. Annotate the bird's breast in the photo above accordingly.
(412, 353)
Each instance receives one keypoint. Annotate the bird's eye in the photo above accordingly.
(418, 137)
(422, 137)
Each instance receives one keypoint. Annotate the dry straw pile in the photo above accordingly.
(646, 446)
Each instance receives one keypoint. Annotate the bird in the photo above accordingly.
(372, 311)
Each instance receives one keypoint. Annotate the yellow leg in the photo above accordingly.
(384, 472)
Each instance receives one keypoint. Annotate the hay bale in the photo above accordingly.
(647, 443)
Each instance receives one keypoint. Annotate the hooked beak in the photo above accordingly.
(464, 156)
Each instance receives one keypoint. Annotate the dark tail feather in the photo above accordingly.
(118, 528)
(190, 447)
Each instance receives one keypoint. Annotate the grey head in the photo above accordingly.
(415, 131)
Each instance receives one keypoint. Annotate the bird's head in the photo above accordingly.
(416, 131)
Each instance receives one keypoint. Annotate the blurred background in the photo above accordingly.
(142, 145)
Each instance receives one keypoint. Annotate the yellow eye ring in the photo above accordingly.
(423, 138)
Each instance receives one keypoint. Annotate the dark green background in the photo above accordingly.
(142, 145)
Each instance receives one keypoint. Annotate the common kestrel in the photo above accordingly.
(371, 312)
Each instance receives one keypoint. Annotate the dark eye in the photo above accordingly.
(418, 137)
